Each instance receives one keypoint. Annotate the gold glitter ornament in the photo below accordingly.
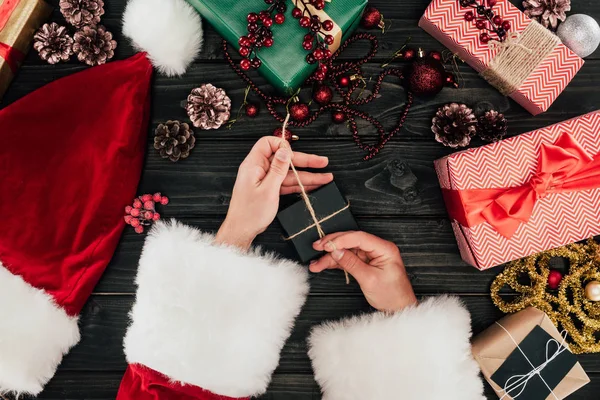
(568, 307)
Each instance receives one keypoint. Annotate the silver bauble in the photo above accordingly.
(580, 33)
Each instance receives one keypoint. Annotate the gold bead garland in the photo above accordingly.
(566, 307)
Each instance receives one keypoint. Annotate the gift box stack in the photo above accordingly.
(525, 194)
(19, 19)
(530, 65)
(284, 64)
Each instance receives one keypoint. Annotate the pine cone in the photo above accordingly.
(208, 107)
(94, 45)
(547, 12)
(454, 125)
(492, 126)
(53, 43)
(82, 12)
(174, 140)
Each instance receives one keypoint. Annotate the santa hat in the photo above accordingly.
(65, 183)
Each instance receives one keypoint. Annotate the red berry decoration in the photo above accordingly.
(338, 116)
(426, 76)
(486, 20)
(372, 18)
(259, 32)
(138, 218)
(317, 40)
(323, 95)
(251, 110)
(554, 279)
(289, 136)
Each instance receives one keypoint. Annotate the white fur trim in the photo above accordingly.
(35, 335)
(420, 353)
(170, 31)
(209, 315)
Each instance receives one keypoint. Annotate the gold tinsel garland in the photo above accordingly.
(568, 306)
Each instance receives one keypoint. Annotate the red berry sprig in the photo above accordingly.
(259, 32)
(493, 27)
(313, 42)
(143, 211)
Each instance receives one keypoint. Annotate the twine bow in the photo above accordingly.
(519, 382)
(309, 206)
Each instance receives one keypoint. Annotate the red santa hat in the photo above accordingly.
(64, 192)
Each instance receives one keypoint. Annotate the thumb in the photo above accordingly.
(279, 168)
(353, 265)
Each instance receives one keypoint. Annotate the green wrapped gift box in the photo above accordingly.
(284, 64)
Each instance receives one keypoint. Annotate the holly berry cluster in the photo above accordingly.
(143, 211)
(491, 25)
(318, 40)
(259, 32)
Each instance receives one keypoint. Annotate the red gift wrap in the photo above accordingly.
(526, 194)
(444, 20)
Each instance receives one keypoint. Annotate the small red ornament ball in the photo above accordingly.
(425, 77)
(299, 111)
(371, 18)
(323, 95)
(251, 110)
(338, 116)
(409, 54)
(436, 54)
(554, 279)
(344, 81)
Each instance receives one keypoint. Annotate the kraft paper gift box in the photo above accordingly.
(284, 64)
(332, 212)
(509, 350)
(541, 66)
(526, 194)
(19, 19)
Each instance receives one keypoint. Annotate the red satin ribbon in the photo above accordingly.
(564, 166)
(12, 56)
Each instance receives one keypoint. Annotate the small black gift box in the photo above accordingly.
(333, 214)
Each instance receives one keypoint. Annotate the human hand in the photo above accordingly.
(375, 264)
(262, 177)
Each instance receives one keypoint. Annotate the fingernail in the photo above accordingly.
(318, 242)
(337, 255)
(283, 154)
(313, 262)
(329, 246)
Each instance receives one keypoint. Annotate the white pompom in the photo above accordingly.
(170, 31)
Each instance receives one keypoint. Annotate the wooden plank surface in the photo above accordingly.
(395, 196)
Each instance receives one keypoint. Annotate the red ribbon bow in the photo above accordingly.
(12, 56)
(564, 166)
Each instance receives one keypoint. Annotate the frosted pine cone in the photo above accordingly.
(53, 43)
(94, 45)
(492, 126)
(208, 107)
(82, 12)
(174, 140)
(547, 12)
(454, 125)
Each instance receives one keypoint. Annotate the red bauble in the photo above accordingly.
(436, 54)
(425, 77)
(344, 81)
(409, 54)
(554, 279)
(251, 110)
(323, 94)
(289, 136)
(338, 116)
(372, 18)
(299, 111)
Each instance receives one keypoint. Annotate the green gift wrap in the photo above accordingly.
(284, 64)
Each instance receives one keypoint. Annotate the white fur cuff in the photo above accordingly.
(35, 335)
(210, 316)
(420, 353)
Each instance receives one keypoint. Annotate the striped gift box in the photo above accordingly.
(444, 20)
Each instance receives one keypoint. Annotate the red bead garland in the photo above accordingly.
(335, 74)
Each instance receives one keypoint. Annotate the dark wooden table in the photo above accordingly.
(395, 196)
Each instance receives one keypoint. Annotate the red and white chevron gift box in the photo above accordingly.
(444, 20)
(558, 217)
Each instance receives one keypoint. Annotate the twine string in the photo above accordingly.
(309, 206)
(519, 382)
